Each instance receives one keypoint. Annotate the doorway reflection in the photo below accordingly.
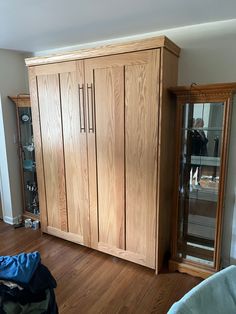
(199, 180)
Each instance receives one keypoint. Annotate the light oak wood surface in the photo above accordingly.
(52, 146)
(112, 152)
(75, 150)
(166, 154)
(125, 144)
(145, 44)
(71, 143)
(141, 125)
(223, 175)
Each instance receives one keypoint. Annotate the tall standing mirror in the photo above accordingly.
(202, 137)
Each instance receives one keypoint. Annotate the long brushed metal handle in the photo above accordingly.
(90, 95)
(81, 112)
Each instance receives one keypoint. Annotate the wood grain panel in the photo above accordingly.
(110, 154)
(167, 153)
(73, 237)
(92, 163)
(130, 256)
(119, 48)
(63, 67)
(141, 114)
(52, 147)
(223, 175)
(75, 149)
(117, 180)
(140, 85)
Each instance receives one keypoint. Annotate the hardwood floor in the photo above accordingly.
(93, 282)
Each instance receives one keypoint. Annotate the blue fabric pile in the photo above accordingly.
(26, 285)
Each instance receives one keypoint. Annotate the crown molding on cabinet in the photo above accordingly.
(150, 43)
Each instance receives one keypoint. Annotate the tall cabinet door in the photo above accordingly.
(122, 100)
(58, 106)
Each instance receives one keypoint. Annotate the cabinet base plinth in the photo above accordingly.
(189, 269)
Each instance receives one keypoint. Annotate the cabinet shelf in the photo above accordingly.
(203, 161)
(29, 170)
(210, 195)
(202, 129)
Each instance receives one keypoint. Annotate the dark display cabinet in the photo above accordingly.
(201, 166)
(27, 156)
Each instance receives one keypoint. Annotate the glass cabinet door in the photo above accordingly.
(199, 178)
(27, 152)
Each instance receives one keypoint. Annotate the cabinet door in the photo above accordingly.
(123, 95)
(59, 116)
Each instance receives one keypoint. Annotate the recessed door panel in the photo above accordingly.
(52, 146)
(141, 114)
(75, 150)
(62, 108)
(123, 92)
(110, 154)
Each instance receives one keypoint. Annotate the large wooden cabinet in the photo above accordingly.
(104, 143)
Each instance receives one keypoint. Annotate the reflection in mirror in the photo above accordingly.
(30, 190)
(199, 180)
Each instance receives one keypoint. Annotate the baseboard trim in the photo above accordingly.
(11, 220)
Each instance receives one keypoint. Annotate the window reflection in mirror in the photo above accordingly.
(199, 180)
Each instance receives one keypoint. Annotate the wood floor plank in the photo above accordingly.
(93, 282)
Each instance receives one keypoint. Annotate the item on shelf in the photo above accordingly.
(25, 117)
(29, 147)
(28, 164)
(31, 187)
(35, 205)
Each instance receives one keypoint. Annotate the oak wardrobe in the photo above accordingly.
(104, 134)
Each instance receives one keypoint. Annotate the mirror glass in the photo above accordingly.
(199, 180)
(29, 178)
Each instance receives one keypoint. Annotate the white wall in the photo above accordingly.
(12, 82)
(229, 239)
(208, 56)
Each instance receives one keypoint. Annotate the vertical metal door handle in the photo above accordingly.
(90, 108)
(81, 112)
